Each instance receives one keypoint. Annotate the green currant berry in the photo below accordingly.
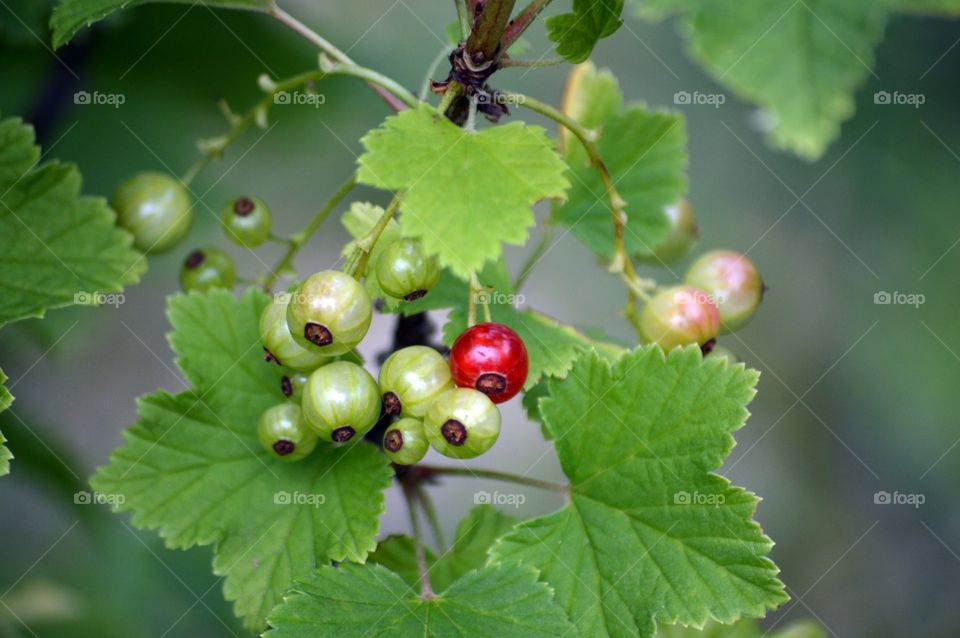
(279, 345)
(405, 442)
(283, 433)
(155, 209)
(341, 402)
(682, 235)
(719, 352)
(207, 268)
(406, 271)
(733, 280)
(292, 384)
(679, 316)
(247, 221)
(411, 378)
(462, 423)
(330, 312)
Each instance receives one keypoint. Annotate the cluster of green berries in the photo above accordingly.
(720, 292)
(450, 406)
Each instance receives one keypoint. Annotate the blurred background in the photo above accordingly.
(855, 397)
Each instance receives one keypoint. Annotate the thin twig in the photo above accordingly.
(426, 592)
(433, 470)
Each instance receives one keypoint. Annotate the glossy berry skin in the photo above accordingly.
(733, 280)
(283, 433)
(292, 384)
(679, 316)
(341, 402)
(462, 423)
(279, 345)
(406, 271)
(155, 209)
(405, 442)
(330, 312)
(207, 268)
(490, 357)
(411, 378)
(682, 235)
(247, 221)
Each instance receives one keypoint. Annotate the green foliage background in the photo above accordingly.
(854, 397)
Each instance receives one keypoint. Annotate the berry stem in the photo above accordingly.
(426, 471)
(375, 79)
(476, 292)
(442, 55)
(333, 51)
(538, 252)
(430, 512)
(356, 265)
(506, 63)
(637, 287)
(426, 592)
(298, 240)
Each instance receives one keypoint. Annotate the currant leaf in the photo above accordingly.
(192, 466)
(475, 534)
(650, 535)
(359, 220)
(504, 601)
(5, 400)
(578, 32)
(466, 192)
(72, 15)
(58, 247)
(745, 629)
(801, 62)
(645, 153)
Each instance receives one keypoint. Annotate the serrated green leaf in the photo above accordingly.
(56, 243)
(192, 467)
(72, 15)
(466, 192)
(5, 400)
(475, 534)
(745, 629)
(578, 32)
(645, 152)
(651, 535)
(353, 601)
(359, 220)
(799, 61)
(943, 7)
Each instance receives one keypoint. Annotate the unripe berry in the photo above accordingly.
(207, 268)
(406, 271)
(341, 402)
(462, 423)
(682, 235)
(279, 345)
(155, 209)
(733, 281)
(330, 312)
(292, 384)
(283, 433)
(405, 442)
(247, 221)
(679, 316)
(411, 378)
(491, 358)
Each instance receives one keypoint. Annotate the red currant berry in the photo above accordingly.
(679, 316)
(490, 357)
(733, 281)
